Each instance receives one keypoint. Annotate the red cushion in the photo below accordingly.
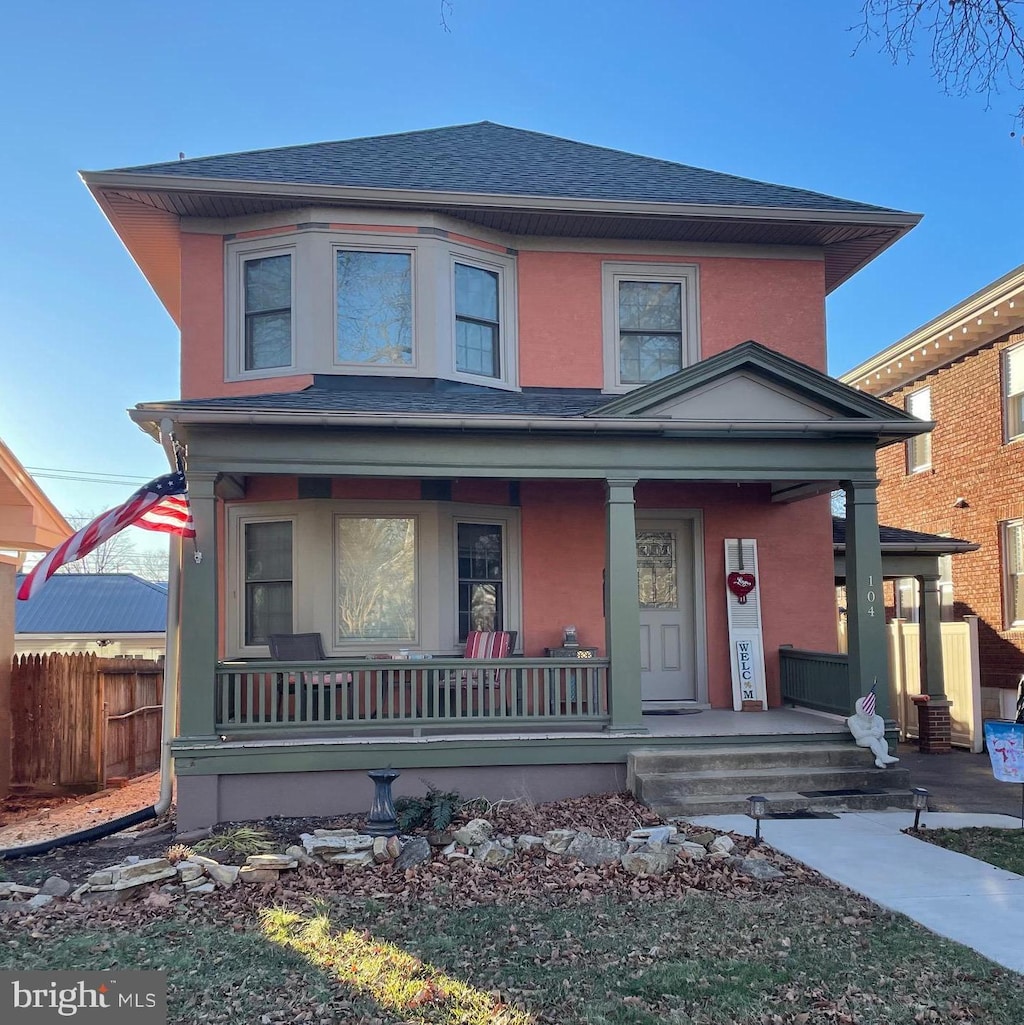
(487, 644)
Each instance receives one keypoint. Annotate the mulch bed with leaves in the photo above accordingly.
(542, 940)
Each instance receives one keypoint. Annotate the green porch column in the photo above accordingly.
(868, 641)
(198, 625)
(622, 608)
(933, 679)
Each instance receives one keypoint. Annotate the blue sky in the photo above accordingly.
(768, 91)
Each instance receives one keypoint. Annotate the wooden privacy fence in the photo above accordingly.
(79, 720)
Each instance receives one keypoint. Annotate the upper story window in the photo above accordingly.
(1013, 573)
(650, 322)
(919, 448)
(268, 311)
(477, 329)
(1013, 392)
(374, 308)
(324, 301)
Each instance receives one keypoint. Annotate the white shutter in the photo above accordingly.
(1015, 370)
(746, 644)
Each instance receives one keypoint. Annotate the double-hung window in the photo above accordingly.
(650, 322)
(267, 288)
(477, 328)
(268, 574)
(374, 314)
(1013, 572)
(1013, 391)
(919, 448)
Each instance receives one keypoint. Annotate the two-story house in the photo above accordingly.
(483, 379)
(964, 370)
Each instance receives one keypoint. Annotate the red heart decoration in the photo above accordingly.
(741, 584)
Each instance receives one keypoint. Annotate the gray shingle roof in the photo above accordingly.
(895, 537)
(100, 603)
(494, 159)
(409, 396)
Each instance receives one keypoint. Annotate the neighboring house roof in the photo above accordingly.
(506, 179)
(699, 398)
(897, 541)
(94, 603)
(981, 318)
(29, 521)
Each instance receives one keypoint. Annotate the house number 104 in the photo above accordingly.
(870, 595)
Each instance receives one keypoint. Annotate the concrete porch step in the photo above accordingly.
(707, 783)
(747, 756)
(788, 801)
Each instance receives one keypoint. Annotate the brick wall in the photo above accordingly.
(970, 461)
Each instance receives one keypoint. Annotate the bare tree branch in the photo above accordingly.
(974, 46)
(446, 13)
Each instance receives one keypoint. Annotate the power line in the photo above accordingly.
(87, 477)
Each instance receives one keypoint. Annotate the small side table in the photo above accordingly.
(567, 651)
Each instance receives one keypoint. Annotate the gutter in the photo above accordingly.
(146, 417)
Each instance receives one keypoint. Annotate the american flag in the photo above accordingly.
(162, 505)
(869, 701)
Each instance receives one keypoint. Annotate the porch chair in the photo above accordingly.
(481, 687)
(307, 647)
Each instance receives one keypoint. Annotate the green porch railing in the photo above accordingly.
(346, 695)
(815, 679)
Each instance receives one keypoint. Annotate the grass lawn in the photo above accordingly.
(805, 953)
(1003, 848)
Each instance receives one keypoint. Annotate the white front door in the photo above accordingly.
(665, 585)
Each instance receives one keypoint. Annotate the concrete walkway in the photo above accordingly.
(953, 895)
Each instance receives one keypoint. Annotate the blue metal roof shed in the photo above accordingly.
(94, 603)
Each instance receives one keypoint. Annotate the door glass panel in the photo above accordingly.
(656, 569)
(480, 577)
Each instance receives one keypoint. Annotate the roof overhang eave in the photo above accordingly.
(100, 181)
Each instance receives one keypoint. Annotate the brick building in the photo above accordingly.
(964, 371)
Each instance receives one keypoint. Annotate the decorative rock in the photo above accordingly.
(324, 846)
(450, 849)
(223, 875)
(111, 896)
(415, 852)
(248, 874)
(648, 861)
(693, 851)
(40, 900)
(102, 878)
(202, 888)
(189, 870)
(508, 843)
(300, 855)
(76, 893)
(145, 867)
(595, 850)
(476, 831)
(491, 853)
(201, 859)
(13, 906)
(55, 886)
(350, 859)
(706, 838)
(335, 832)
(380, 850)
(721, 843)
(191, 885)
(557, 840)
(719, 856)
(528, 841)
(276, 861)
(393, 847)
(132, 859)
(758, 868)
(439, 838)
(654, 834)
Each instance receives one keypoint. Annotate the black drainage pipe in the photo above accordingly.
(82, 836)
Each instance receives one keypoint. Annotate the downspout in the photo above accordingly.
(170, 706)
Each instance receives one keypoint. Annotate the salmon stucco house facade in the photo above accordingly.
(482, 382)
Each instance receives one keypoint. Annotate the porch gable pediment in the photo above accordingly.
(751, 383)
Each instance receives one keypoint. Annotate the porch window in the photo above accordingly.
(268, 312)
(376, 578)
(481, 577)
(650, 322)
(1013, 391)
(477, 341)
(1013, 572)
(268, 580)
(374, 308)
(919, 448)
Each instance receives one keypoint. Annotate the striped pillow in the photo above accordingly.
(487, 644)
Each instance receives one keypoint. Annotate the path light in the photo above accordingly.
(757, 808)
(920, 803)
(382, 820)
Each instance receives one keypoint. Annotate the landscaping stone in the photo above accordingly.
(557, 840)
(76, 893)
(491, 853)
(654, 834)
(325, 846)
(476, 831)
(278, 861)
(705, 838)
(196, 883)
(223, 875)
(301, 855)
(189, 870)
(202, 888)
(415, 852)
(380, 850)
(111, 896)
(649, 861)
(105, 877)
(40, 900)
(202, 859)
(595, 850)
(248, 874)
(721, 843)
(335, 832)
(528, 841)
(55, 886)
(693, 851)
(350, 859)
(758, 868)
